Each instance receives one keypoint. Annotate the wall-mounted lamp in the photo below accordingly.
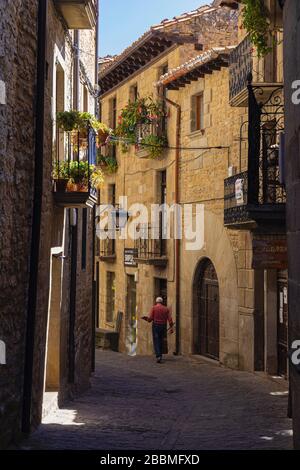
(119, 218)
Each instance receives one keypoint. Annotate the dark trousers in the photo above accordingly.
(159, 333)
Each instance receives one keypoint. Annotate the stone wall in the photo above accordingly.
(18, 49)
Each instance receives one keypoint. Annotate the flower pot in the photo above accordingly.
(61, 185)
(81, 187)
(71, 187)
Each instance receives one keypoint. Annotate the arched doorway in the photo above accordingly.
(206, 323)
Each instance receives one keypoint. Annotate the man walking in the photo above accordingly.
(159, 316)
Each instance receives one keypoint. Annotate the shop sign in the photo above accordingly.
(269, 252)
(130, 255)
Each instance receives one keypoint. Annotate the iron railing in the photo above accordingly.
(150, 244)
(107, 244)
(240, 67)
(259, 187)
(74, 159)
(157, 127)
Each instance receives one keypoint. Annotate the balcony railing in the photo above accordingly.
(157, 129)
(78, 14)
(245, 67)
(107, 246)
(240, 212)
(151, 247)
(256, 196)
(73, 167)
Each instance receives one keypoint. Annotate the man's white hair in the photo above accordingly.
(159, 300)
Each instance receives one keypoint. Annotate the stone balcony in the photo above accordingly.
(78, 14)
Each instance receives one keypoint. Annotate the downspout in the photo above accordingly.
(177, 240)
(36, 215)
(94, 280)
(97, 65)
(76, 71)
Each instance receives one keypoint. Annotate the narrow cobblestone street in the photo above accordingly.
(184, 403)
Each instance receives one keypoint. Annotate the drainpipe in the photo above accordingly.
(177, 241)
(97, 65)
(94, 280)
(76, 71)
(36, 215)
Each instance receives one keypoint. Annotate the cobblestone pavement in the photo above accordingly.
(185, 403)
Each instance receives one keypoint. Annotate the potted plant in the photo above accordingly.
(79, 175)
(96, 178)
(256, 20)
(108, 164)
(154, 145)
(143, 111)
(60, 175)
(67, 120)
(103, 133)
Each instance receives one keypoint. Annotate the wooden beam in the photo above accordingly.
(206, 69)
(195, 75)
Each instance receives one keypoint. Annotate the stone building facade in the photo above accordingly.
(292, 73)
(46, 313)
(234, 287)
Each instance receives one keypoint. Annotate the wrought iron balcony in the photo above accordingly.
(256, 197)
(78, 14)
(72, 169)
(107, 246)
(150, 133)
(151, 247)
(242, 211)
(245, 68)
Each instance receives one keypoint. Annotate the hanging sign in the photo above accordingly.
(130, 255)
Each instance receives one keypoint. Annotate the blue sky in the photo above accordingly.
(123, 21)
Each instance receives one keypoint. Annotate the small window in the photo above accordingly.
(110, 296)
(162, 70)
(133, 93)
(85, 99)
(112, 194)
(197, 112)
(113, 124)
(113, 113)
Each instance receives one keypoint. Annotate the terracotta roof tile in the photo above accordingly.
(195, 63)
(156, 29)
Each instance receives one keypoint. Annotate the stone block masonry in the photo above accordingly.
(18, 51)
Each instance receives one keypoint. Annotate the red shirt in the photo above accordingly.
(160, 315)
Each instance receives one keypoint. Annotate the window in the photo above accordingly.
(112, 123)
(112, 194)
(110, 296)
(162, 94)
(85, 99)
(197, 112)
(161, 289)
(162, 70)
(113, 113)
(162, 181)
(133, 93)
